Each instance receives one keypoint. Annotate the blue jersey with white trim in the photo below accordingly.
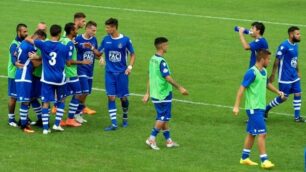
(24, 74)
(287, 54)
(54, 57)
(116, 51)
(255, 46)
(83, 53)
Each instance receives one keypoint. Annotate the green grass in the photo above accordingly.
(205, 56)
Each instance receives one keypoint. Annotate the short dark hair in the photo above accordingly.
(259, 26)
(112, 21)
(91, 23)
(79, 15)
(292, 29)
(55, 30)
(40, 33)
(160, 40)
(20, 25)
(69, 27)
(262, 54)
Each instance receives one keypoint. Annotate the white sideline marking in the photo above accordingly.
(162, 12)
(186, 101)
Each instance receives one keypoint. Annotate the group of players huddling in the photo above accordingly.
(61, 64)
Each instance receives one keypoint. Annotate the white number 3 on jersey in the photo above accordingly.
(53, 56)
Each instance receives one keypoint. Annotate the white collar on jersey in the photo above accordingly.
(291, 43)
(85, 38)
(119, 37)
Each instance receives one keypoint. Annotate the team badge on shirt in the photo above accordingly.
(120, 45)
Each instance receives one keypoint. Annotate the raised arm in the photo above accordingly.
(243, 41)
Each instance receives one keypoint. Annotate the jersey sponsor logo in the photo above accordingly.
(88, 55)
(114, 56)
(164, 64)
(165, 70)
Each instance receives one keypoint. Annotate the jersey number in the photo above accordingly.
(53, 56)
(19, 51)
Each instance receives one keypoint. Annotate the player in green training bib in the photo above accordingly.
(255, 85)
(72, 84)
(22, 32)
(159, 88)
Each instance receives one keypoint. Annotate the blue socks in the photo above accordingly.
(112, 110)
(166, 134)
(45, 118)
(275, 102)
(297, 106)
(24, 109)
(245, 153)
(263, 157)
(154, 133)
(37, 108)
(59, 113)
(125, 108)
(73, 107)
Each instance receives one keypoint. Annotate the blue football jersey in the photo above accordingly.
(24, 74)
(116, 51)
(287, 53)
(85, 54)
(54, 57)
(255, 46)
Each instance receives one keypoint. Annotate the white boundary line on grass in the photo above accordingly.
(185, 101)
(161, 12)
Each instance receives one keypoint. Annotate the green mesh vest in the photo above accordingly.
(255, 97)
(71, 71)
(11, 69)
(38, 70)
(159, 86)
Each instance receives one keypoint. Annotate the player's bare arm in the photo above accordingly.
(182, 90)
(146, 97)
(271, 87)
(130, 66)
(274, 69)
(238, 100)
(243, 41)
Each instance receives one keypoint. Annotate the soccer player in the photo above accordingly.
(259, 42)
(23, 79)
(79, 20)
(255, 84)
(42, 26)
(73, 86)
(116, 48)
(22, 32)
(286, 62)
(54, 57)
(159, 88)
(36, 83)
(85, 44)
